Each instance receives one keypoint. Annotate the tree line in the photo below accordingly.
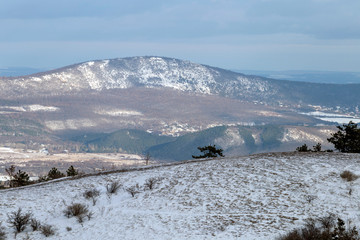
(21, 178)
(346, 140)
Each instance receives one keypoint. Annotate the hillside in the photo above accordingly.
(253, 197)
(234, 140)
(162, 72)
(126, 140)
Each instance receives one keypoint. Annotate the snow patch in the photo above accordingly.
(41, 108)
(268, 114)
(6, 150)
(294, 134)
(32, 108)
(69, 124)
(232, 138)
(174, 129)
(118, 112)
(333, 117)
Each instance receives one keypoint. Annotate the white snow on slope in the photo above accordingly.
(150, 72)
(70, 124)
(333, 117)
(254, 197)
(299, 135)
(31, 108)
(117, 112)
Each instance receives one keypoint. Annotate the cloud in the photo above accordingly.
(133, 20)
(250, 54)
(266, 34)
(45, 9)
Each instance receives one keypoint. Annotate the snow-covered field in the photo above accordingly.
(253, 197)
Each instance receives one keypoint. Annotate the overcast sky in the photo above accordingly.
(232, 34)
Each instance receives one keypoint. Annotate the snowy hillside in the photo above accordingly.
(140, 71)
(254, 197)
(162, 72)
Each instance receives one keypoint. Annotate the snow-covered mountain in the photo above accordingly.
(246, 198)
(134, 72)
(161, 72)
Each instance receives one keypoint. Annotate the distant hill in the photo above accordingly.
(326, 77)
(235, 140)
(125, 140)
(18, 71)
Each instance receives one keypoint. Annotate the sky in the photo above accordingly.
(233, 34)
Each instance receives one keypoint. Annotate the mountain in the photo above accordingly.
(160, 72)
(162, 96)
(246, 198)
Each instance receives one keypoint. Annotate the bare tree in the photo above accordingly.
(147, 158)
(133, 190)
(11, 172)
(150, 182)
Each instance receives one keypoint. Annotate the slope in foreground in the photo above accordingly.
(254, 197)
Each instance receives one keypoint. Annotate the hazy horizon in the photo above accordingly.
(314, 76)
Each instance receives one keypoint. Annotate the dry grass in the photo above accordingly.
(348, 176)
(113, 188)
(76, 210)
(47, 230)
(35, 224)
(92, 194)
(2, 233)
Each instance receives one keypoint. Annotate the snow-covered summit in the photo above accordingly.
(169, 73)
(147, 72)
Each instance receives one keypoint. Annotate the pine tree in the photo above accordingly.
(21, 178)
(317, 147)
(209, 152)
(347, 139)
(303, 148)
(72, 171)
(54, 173)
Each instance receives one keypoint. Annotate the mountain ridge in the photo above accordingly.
(159, 72)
